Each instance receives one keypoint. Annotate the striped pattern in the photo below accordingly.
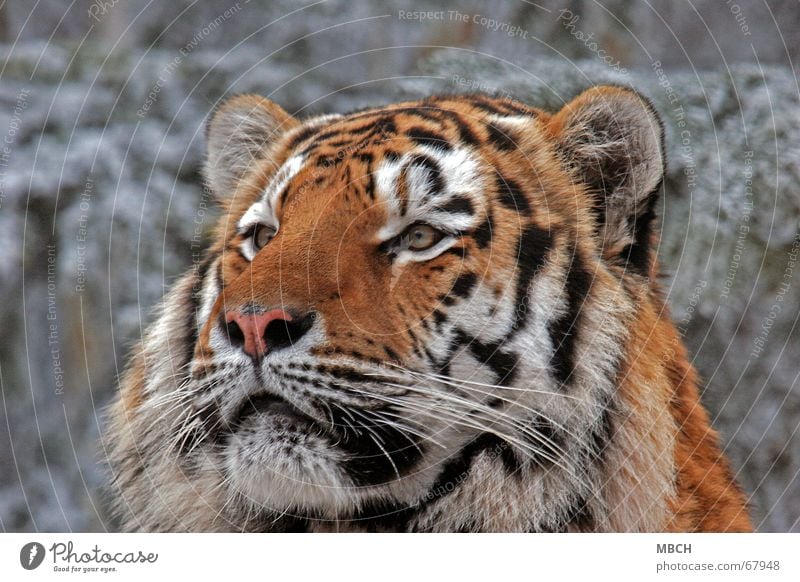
(516, 374)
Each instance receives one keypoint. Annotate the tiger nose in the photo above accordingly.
(258, 334)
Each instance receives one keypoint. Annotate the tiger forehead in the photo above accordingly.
(468, 120)
(339, 151)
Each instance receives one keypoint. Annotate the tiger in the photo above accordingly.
(439, 315)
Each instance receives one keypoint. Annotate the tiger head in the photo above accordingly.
(435, 315)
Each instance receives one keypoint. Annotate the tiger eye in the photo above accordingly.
(421, 237)
(262, 235)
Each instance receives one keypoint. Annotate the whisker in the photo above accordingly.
(466, 420)
(460, 381)
(499, 416)
(403, 429)
(476, 407)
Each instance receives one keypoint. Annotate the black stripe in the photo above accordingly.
(433, 169)
(339, 132)
(458, 468)
(462, 286)
(435, 179)
(422, 136)
(512, 196)
(601, 434)
(385, 126)
(220, 272)
(391, 354)
(429, 113)
(564, 330)
(370, 187)
(481, 102)
(302, 136)
(502, 363)
(340, 144)
(284, 196)
(457, 205)
(466, 135)
(483, 233)
(374, 461)
(369, 128)
(192, 328)
(532, 250)
(518, 108)
(502, 140)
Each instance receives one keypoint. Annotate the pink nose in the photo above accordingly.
(252, 328)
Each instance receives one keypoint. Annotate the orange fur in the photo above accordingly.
(324, 258)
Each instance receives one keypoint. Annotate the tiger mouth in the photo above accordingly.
(272, 405)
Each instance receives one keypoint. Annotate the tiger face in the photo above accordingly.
(422, 316)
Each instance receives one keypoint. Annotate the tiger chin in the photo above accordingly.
(433, 316)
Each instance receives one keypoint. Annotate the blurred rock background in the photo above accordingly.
(101, 139)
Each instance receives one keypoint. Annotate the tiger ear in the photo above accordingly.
(612, 141)
(238, 135)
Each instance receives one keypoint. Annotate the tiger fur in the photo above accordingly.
(325, 368)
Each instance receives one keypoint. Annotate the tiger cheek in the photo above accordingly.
(366, 295)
